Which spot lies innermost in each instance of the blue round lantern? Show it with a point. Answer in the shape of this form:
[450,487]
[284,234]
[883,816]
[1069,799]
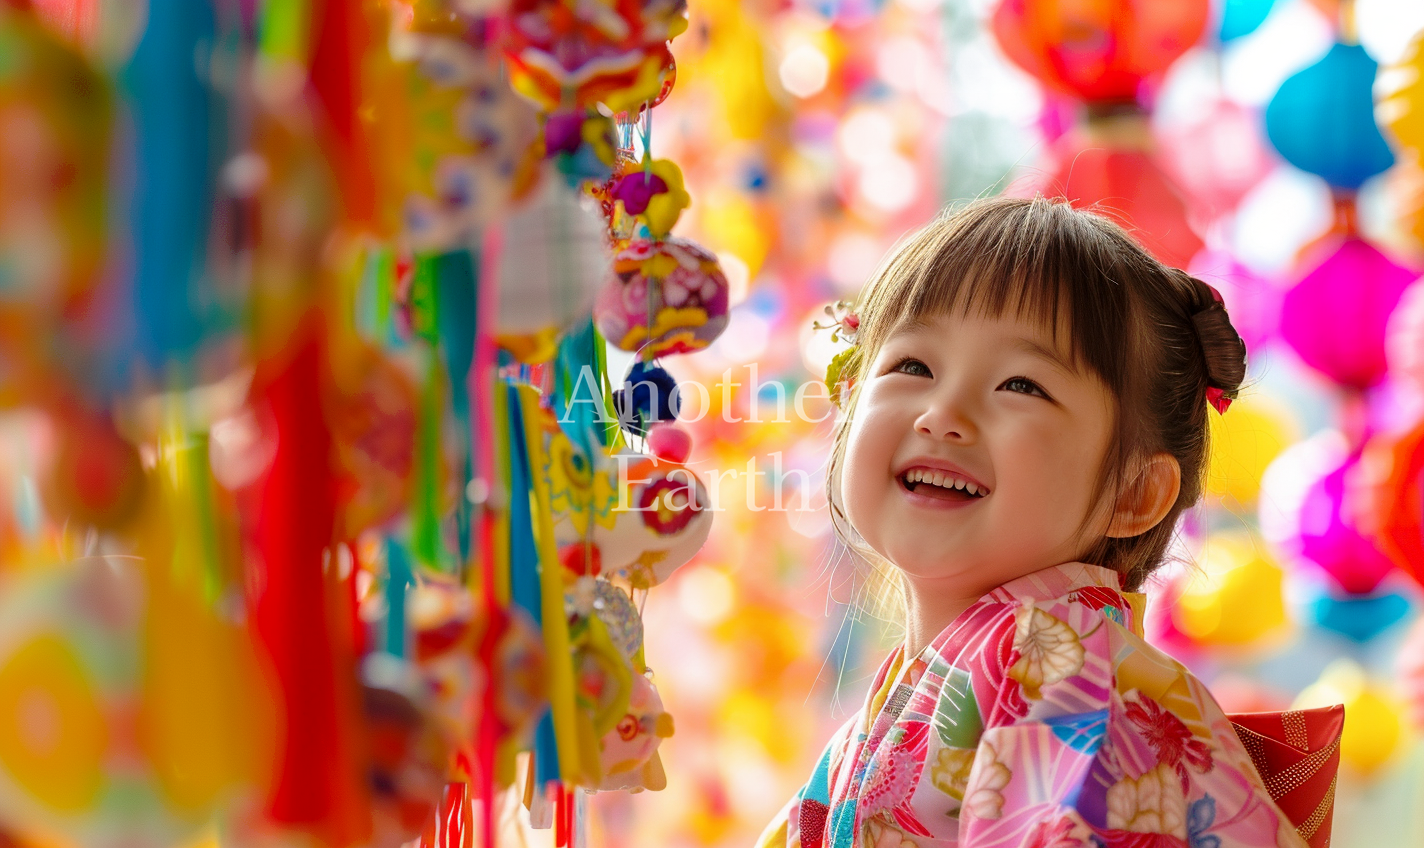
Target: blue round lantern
[1242,17]
[1358,618]
[1322,120]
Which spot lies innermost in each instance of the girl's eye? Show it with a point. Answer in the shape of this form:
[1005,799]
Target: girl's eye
[1023,385]
[913,367]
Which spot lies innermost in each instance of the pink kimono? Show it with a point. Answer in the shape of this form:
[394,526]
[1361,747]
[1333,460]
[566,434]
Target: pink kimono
[1040,718]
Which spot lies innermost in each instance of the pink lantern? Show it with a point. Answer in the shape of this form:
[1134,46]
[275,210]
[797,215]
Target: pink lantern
[1218,157]
[1333,544]
[1335,317]
[1253,302]
[1404,337]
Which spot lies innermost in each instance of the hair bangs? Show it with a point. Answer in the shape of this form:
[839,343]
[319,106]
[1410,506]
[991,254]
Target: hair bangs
[1034,260]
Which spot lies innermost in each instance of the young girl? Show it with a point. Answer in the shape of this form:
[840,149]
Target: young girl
[1026,420]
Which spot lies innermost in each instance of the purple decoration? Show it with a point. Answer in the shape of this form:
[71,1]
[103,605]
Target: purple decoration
[1335,316]
[636,189]
[1332,544]
[563,133]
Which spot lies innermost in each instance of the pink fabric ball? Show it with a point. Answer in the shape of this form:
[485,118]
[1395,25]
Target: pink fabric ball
[669,441]
[1333,544]
[1335,317]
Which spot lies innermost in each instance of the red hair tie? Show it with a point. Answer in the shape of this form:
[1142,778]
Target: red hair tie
[1218,399]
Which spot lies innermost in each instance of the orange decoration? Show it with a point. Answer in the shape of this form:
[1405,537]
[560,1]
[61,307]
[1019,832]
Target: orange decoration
[1098,50]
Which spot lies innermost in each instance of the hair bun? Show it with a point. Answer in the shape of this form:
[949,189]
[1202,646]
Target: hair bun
[1222,349]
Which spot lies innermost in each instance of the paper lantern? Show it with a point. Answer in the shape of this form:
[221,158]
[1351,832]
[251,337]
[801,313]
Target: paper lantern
[1395,487]
[1335,316]
[1404,336]
[653,193]
[1242,17]
[1322,119]
[1243,444]
[1098,50]
[1374,717]
[1126,184]
[1331,543]
[1358,618]
[552,260]
[1217,157]
[460,142]
[1401,106]
[1236,600]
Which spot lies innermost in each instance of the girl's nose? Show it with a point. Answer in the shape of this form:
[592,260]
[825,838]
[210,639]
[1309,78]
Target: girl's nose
[945,419]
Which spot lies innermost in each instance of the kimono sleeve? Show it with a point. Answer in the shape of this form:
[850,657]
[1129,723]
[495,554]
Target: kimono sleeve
[802,822]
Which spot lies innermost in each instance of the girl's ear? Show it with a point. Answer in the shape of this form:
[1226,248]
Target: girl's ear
[1148,499]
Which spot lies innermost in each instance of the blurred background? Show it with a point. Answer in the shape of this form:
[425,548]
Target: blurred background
[1263,151]
[240,237]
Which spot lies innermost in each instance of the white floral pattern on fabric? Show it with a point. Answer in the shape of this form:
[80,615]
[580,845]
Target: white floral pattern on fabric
[1050,650]
[1152,803]
[984,794]
[879,834]
[950,772]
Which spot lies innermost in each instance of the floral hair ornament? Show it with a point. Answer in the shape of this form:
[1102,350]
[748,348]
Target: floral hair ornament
[844,326]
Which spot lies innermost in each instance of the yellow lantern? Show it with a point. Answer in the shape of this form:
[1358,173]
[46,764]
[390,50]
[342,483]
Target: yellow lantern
[1401,108]
[1243,443]
[1374,717]
[1235,600]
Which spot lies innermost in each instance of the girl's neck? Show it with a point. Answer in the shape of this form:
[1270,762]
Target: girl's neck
[930,607]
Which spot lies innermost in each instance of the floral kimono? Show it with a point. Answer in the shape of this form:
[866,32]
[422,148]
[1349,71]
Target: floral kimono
[1040,718]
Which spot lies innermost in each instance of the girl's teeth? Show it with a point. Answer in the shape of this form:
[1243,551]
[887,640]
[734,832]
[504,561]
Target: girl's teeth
[939,478]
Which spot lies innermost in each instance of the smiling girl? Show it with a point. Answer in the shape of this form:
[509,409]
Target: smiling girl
[1025,422]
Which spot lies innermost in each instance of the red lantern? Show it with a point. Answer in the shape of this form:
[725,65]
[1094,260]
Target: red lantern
[1395,502]
[1123,182]
[1098,50]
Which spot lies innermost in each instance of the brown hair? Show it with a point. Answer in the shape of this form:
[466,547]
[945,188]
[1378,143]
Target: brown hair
[1157,337]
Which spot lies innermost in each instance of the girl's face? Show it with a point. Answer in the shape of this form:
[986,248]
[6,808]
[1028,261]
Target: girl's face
[973,453]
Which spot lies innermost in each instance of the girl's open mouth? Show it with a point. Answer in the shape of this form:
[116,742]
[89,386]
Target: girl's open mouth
[940,485]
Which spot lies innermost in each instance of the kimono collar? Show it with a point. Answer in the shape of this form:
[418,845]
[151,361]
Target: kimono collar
[1092,584]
